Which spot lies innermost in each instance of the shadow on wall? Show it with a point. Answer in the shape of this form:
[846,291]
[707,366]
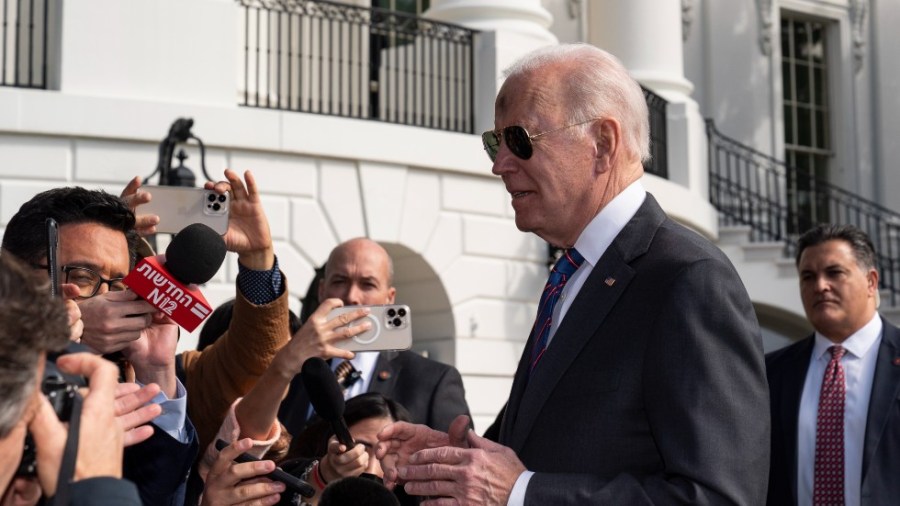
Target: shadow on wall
[420,287]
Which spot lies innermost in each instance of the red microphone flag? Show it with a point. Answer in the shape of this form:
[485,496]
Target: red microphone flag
[186,306]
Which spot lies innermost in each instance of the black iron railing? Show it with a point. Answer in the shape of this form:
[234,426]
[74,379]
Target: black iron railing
[343,60]
[23,43]
[779,203]
[659,163]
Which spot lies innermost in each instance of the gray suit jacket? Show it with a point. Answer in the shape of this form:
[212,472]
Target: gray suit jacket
[786,370]
[653,390]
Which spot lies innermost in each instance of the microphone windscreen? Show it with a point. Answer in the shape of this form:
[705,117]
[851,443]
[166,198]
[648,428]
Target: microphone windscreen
[195,254]
[357,490]
[322,387]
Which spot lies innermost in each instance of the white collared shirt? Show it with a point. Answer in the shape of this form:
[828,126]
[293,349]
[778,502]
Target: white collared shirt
[592,243]
[859,374]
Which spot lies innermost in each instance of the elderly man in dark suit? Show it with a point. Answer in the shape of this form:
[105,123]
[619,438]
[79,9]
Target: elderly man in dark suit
[834,395]
[642,381]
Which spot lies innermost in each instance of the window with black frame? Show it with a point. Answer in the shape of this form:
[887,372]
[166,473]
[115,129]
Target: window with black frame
[807,138]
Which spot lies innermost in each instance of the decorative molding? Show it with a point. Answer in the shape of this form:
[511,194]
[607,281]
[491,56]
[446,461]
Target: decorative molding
[687,17]
[764,10]
[858,11]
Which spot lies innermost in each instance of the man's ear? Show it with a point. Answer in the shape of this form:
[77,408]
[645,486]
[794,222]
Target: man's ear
[607,133]
[392,293]
[872,277]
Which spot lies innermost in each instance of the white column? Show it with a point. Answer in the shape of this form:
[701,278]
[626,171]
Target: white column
[646,36]
[509,29]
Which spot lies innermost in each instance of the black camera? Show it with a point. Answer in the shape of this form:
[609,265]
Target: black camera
[61,389]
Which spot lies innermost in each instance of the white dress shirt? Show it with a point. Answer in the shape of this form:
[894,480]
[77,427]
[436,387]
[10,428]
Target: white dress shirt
[592,243]
[859,372]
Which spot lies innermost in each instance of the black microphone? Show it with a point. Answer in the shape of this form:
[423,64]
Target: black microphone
[195,254]
[192,258]
[291,482]
[363,489]
[326,397]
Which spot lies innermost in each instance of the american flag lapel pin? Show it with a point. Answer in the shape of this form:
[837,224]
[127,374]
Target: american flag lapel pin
[610,281]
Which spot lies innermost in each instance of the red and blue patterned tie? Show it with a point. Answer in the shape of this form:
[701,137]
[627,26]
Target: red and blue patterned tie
[567,264]
[828,481]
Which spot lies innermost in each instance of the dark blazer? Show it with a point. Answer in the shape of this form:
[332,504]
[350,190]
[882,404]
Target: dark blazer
[786,369]
[653,389]
[104,491]
[431,391]
[160,465]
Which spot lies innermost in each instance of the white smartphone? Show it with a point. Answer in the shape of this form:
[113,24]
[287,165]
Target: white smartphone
[179,206]
[391,328]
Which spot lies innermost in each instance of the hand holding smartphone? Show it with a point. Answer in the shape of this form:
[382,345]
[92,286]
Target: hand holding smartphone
[391,328]
[291,482]
[178,207]
[52,257]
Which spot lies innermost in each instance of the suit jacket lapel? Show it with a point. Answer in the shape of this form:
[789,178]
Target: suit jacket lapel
[885,392]
[585,316]
[385,374]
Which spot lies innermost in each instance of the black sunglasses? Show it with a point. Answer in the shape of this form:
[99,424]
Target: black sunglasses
[517,139]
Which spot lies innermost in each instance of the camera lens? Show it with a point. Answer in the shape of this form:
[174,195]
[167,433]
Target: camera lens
[397,322]
[211,197]
[391,312]
[216,206]
[222,198]
[401,312]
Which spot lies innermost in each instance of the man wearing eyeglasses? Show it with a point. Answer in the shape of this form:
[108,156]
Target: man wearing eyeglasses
[97,244]
[643,380]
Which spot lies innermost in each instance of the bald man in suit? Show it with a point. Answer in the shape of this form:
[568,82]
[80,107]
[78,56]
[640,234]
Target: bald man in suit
[360,272]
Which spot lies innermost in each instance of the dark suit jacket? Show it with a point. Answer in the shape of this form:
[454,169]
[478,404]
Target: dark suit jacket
[653,389]
[431,391]
[881,456]
[104,491]
[160,465]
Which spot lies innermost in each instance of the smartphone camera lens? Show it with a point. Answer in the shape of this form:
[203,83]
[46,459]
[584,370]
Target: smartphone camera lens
[401,312]
[222,198]
[211,197]
[397,322]
[391,312]
[216,206]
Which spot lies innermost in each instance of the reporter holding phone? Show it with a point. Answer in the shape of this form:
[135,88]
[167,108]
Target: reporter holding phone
[360,272]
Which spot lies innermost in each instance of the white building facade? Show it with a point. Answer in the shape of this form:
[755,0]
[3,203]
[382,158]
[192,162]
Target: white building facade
[89,103]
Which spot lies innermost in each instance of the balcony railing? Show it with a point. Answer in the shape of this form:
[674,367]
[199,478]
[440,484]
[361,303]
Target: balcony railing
[780,202]
[659,164]
[23,43]
[343,60]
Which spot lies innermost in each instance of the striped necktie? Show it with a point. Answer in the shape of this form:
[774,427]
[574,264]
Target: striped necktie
[344,374]
[567,264]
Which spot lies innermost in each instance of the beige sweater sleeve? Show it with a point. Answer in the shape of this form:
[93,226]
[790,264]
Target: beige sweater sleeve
[228,369]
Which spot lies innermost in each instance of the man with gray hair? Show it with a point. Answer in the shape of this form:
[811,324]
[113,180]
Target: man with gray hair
[642,381]
[32,323]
